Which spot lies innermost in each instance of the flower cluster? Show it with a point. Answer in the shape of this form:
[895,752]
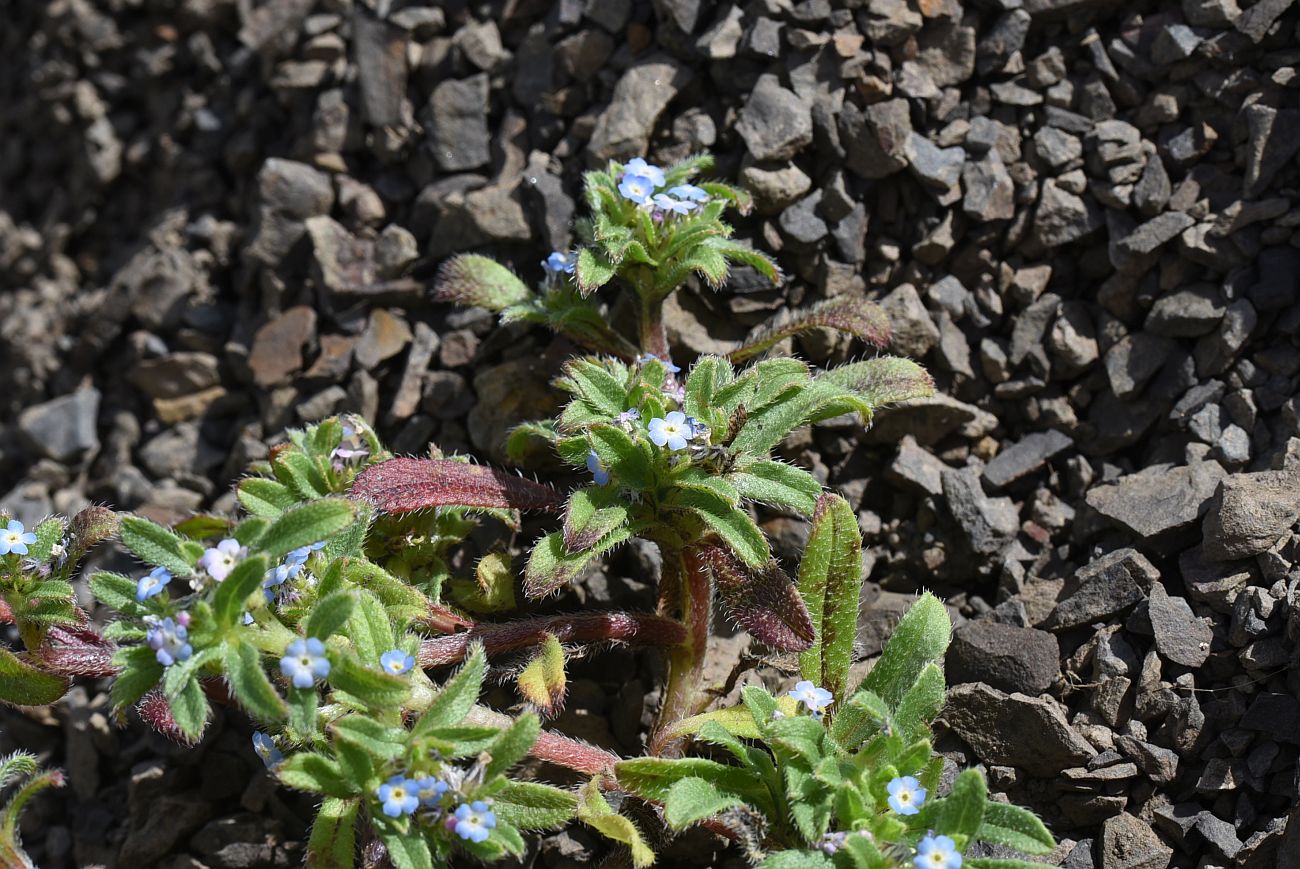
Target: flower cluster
[15,538]
[304,662]
[288,569]
[169,638]
[642,182]
[404,795]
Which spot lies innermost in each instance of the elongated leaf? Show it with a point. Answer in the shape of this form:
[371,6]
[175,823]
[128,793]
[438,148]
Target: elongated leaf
[228,603]
[653,777]
[921,704]
[406,851]
[376,739]
[708,375]
[333,842]
[627,461]
[457,696]
[883,380]
[116,591]
[733,525]
[251,685]
[373,687]
[551,566]
[764,602]
[801,859]
[830,581]
[47,534]
[470,279]
[512,745]
[189,709]
[330,614]
[23,685]
[316,773]
[847,313]
[543,682]
[691,800]
[266,498]
[592,383]
[532,806]
[369,628]
[154,544]
[921,638]
[777,483]
[1014,827]
[401,485]
[596,813]
[139,674]
[306,524]
[962,811]
[595,269]
[592,513]
[766,428]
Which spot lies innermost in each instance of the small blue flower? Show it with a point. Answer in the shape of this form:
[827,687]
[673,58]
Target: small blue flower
[638,166]
[169,641]
[906,796]
[667,363]
[15,538]
[816,699]
[832,842]
[219,560]
[672,431]
[597,468]
[560,262]
[300,555]
[152,584]
[637,188]
[690,192]
[396,661]
[304,662]
[398,795]
[677,206]
[474,821]
[628,416]
[937,852]
[430,790]
[266,750]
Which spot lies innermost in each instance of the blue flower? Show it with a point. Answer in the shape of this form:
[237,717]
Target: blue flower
[689,191]
[304,662]
[430,790]
[667,363]
[300,555]
[676,206]
[598,472]
[219,560]
[637,188]
[816,699]
[628,416]
[906,795]
[671,431]
[398,795]
[638,166]
[396,661]
[266,750]
[15,539]
[937,852]
[169,641]
[474,821]
[560,262]
[152,584]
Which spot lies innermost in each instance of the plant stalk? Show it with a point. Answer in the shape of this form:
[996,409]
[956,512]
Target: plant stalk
[686,659]
[636,628]
[654,337]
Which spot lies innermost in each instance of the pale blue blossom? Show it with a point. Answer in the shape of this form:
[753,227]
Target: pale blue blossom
[396,661]
[597,468]
[638,166]
[266,750]
[637,188]
[151,584]
[906,796]
[304,662]
[937,852]
[219,560]
[677,206]
[474,821]
[398,795]
[169,641]
[667,363]
[816,699]
[430,790]
[689,192]
[672,431]
[560,262]
[15,538]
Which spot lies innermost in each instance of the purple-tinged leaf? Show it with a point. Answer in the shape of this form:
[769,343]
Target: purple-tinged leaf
[76,651]
[881,381]
[401,485]
[847,313]
[764,602]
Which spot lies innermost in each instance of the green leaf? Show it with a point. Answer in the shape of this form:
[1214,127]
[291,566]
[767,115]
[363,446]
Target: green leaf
[154,544]
[551,566]
[998,863]
[592,513]
[695,479]
[306,524]
[374,688]
[302,713]
[922,637]
[330,614]
[301,474]
[592,383]
[316,773]
[23,685]
[653,777]
[596,813]
[265,498]
[864,715]
[737,530]
[962,811]
[470,279]
[628,461]
[1014,827]
[801,859]
[595,269]
[116,591]
[512,745]
[231,598]
[921,704]
[376,739]
[691,800]
[333,842]
[47,534]
[189,708]
[405,850]
[532,806]
[370,629]
[707,376]
[881,381]
[139,674]
[777,483]
[846,312]
[767,427]
[457,696]
[830,581]
[251,685]
[402,601]
[543,682]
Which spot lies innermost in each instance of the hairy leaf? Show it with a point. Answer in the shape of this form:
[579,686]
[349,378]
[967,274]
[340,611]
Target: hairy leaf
[551,566]
[401,485]
[470,279]
[251,685]
[691,800]
[266,498]
[847,313]
[830,581]
[457,696]
[592,513]
[154,544]
[777,483]
[921,638]
[543,682]
[732,525]
[883,380]
[596,813]
[232,592]
[1016,828]
[764,602]
[532,806]
[23,685]
[306,524]
[333,842]
[595,269]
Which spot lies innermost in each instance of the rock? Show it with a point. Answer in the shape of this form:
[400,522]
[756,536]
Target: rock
[1063,217]
[1005,38]
[1073,339]
[386,335]
[1152,191]
[775,123]
[929,420]
[876,137]
[1278,286]
[914,332]
[801,224]
[1025,457]
[1256,21]
[1147,238]
[916,468]
[1104,587]
[1127,843]
[1029,733]
[508,394]
[1013,659]
[990,193]
[170,819]
[479,217]
[63,428]
[459,110]
[1174,43]
[1180,636]
[1219,834]
[379,49]
[937,168]
[1216,352]
[947,51]
[1250,512]
[645,90]
[989,523]
[277,352]
[288,194]
[1277,715]
[175,374]
[1158,499]
[1274,139]
[1133,360]
[1187,313]
[775,188]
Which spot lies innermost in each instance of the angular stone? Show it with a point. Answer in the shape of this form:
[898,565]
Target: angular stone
[1007,657]
[1158,499]
[278,345]
[929,420]
[1186,313]
[1250,512]
[1063,217]
[989,523]
[1025,457]
[990,193]
[1133,360]
[1029,733]
[645,90]
[63,428]
[916,468]
[914,332]
[1181,637]
[1127,843]
[938,168]
[386,335]
[459,109]
[876,137]
[775,123]
[175,374]
[1106,586]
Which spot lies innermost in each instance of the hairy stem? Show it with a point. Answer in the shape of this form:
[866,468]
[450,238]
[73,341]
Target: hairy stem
[654,337]
[638,628]
[554,747]
[686,660]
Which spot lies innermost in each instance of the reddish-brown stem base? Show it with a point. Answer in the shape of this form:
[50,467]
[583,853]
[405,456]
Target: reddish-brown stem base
[685,661]
[498,639]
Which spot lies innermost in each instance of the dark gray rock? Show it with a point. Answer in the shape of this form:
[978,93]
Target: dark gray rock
[1181,637]
[1133,360]
[1001,41]
[1250,512]
[459,110]
[1106,586]
[63,428]
[1186,313]
[645,90]
[990,192]
[1025,457]
[1013,659]
[1158,499]
[1128,843]
[801,222]
[914,332]
[775,123]
[989,523]
[876,137]
[937,168]
[916,468]
[1029,733]
[1063,217]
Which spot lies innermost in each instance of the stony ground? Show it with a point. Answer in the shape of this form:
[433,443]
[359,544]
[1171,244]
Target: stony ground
[220,218]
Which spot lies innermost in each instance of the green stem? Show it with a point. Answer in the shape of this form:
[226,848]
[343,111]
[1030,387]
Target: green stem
[685,660]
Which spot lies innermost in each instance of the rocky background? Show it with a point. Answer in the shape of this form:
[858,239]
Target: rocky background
[220,218]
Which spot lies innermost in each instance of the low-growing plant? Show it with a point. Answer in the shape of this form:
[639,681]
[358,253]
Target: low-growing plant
[321,609]
[22,770]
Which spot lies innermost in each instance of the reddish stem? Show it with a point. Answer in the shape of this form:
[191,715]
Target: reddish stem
[497,639]
[686,660]
[555,747]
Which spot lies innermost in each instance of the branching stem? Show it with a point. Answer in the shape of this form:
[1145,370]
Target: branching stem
[497,639]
